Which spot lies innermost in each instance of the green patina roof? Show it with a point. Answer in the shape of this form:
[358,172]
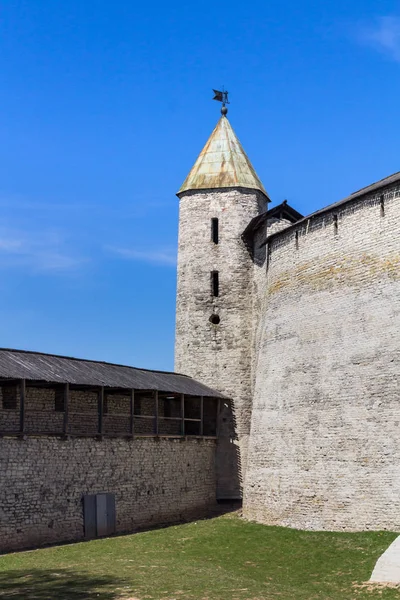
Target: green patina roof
[222,163]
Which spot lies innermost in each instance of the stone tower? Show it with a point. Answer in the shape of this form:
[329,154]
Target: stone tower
[214,324]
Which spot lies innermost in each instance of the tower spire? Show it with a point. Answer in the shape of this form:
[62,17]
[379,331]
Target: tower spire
[222,163]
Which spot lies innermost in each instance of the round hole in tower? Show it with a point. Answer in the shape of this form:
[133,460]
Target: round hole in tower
[215,320]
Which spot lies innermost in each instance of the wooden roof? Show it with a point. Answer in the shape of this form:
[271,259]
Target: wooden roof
[51,368]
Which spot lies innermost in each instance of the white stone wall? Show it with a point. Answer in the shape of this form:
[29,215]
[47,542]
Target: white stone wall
[260,298]
[155,481]
[218,355]
[324,449]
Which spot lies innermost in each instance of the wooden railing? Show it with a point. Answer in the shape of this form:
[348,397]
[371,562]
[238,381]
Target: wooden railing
[26,419]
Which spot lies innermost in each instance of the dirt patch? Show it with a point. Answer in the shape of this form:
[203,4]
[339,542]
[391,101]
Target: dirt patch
[372,586]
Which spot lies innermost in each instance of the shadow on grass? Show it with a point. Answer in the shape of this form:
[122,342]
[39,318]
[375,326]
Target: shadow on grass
[57,585]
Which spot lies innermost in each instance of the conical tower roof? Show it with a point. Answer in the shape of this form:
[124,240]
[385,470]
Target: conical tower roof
[222,164]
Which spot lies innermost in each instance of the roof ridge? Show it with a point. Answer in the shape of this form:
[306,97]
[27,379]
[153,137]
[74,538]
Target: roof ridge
[394,178]
[374,183]
[102,362]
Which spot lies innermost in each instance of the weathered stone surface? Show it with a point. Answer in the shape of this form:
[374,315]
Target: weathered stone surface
[324,451]
[218,355]
[155,481]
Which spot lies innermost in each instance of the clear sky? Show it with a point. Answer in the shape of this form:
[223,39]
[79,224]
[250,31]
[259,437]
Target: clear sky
[105,107]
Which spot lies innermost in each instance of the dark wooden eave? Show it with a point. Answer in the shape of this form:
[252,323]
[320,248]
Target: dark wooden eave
[282,211]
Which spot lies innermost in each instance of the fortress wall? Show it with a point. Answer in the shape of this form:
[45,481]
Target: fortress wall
[324,449]
[218,355]
[155,481]
[259,297]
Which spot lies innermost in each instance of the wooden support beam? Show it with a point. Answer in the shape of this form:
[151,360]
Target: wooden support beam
[156,416]
[201,415]
[217,425]
[183,413]
[132,414]
[22,398]
[101,410]
[66,408]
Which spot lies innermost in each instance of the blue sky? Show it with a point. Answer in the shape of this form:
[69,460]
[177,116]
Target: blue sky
[106,105]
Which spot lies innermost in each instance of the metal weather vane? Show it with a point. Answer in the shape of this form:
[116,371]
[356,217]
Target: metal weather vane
[222,96]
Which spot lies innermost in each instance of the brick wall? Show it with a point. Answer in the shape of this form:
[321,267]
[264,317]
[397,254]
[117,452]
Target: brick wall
[324,449]
[155,481]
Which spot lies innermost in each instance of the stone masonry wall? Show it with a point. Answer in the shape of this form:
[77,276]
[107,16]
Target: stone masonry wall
[324,449]
[155,481]
[260,298]
[218,355]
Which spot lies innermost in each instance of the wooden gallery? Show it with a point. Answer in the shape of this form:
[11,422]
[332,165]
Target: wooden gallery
[89,449]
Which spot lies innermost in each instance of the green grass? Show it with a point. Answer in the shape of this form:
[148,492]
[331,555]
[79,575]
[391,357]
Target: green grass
[219,559]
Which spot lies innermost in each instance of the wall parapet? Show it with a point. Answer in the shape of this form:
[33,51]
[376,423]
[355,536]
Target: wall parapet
[326,216]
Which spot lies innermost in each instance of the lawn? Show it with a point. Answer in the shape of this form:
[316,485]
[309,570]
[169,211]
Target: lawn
[224,558]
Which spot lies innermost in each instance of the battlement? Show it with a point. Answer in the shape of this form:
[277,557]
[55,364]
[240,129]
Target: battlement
[377,194]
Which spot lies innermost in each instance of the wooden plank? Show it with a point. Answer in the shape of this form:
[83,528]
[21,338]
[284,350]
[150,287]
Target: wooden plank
[101,514]
[109,435]
[201,414]
[156,415]
[100,410]
[132,413]
[183,413]
[22,398]
[145,417]
[217,428]
[89,516]
[66,407]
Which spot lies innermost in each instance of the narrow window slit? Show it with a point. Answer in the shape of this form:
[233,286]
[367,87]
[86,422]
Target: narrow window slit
[296,235]
[215,283]
[335,224]
[215,230]
[268,261]
[382,205]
